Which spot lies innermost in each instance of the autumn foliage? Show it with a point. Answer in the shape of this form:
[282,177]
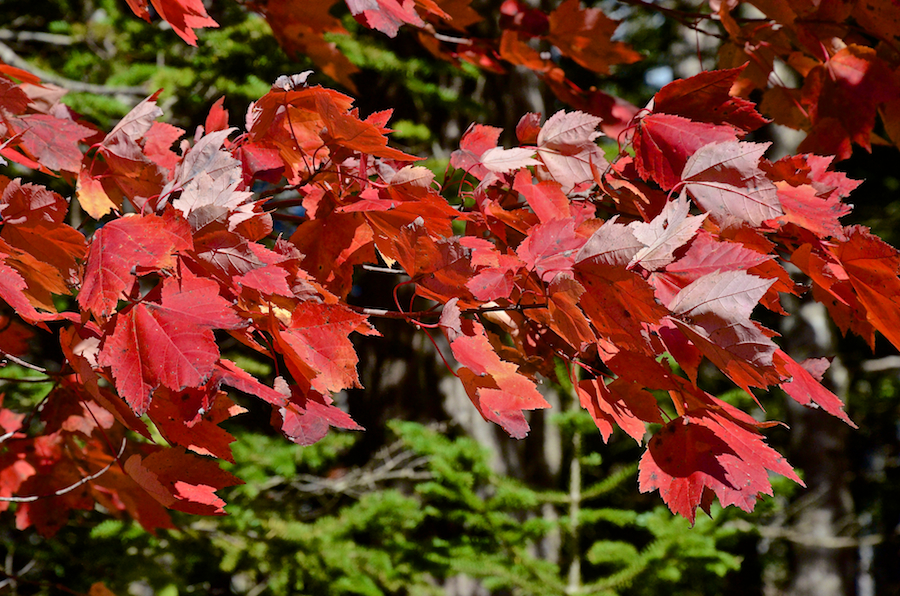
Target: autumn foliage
[632,271]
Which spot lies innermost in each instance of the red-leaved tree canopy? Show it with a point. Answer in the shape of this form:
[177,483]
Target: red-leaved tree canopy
[183,254]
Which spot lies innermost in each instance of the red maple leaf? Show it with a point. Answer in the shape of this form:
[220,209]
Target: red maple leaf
[52,141]
[183,15]
[706,97]
[496,387]
[316,345]
[707,450]
[117,248]
[305,418]
[805,387]
[714,313]
[567,149]
[585,36]
[386,16]
[181,480]
[169,342]
[726,181]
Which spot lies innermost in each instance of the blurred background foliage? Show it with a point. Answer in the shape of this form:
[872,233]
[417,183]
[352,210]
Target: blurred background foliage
[418,507]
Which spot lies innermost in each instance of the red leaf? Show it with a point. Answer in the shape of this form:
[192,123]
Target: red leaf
[183,15]
[477,140]
[52,141]
[119,246]
[11,286]
[706,97]
[167,343]
[385,15]
[317,347]
[496,387]
[872,267]
[725,181]
[666,233]
[842,97]
[567,149]
[627,409]
[305,419]
[198,432]
[545,198]
[707,450]
[804,385]
[664,142]
[585,36]
[714,312]
[182,481]
[550,248]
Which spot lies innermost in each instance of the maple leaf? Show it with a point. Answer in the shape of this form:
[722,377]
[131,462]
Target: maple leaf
[198,431]
[705,450]
[567,149]
[842,97]
[300,25]
[316,345]
[616,404]
[306,418]
[11,291]
[666,233]
[497,389]
[585,36]
[136,241]
[169,342]
[707,97]
[385,15]
[664,142]
[714,312]
[871,266]
[475,142]
[707,255]
[545,197]
[805,387]
[180,480]
[52,141]
[725,181]
[183,15]
[550,248]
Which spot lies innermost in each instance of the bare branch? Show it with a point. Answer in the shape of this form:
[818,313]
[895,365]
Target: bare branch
[71,487]
[393,462]
[39,36]
[10,57]
[21,362]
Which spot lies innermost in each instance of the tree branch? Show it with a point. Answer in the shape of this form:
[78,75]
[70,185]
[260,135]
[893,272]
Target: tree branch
[10,57]
[21,362]
[71,487]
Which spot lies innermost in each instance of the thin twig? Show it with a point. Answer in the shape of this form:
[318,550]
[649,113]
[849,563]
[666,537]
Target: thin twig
[396,314]
[71,487]
[383,270]
[21,362]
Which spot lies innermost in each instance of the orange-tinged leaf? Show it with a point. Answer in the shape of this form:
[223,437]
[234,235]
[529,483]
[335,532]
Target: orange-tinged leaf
[497,389]
[872,267]
[317,347]
[585,36]
[93,197]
